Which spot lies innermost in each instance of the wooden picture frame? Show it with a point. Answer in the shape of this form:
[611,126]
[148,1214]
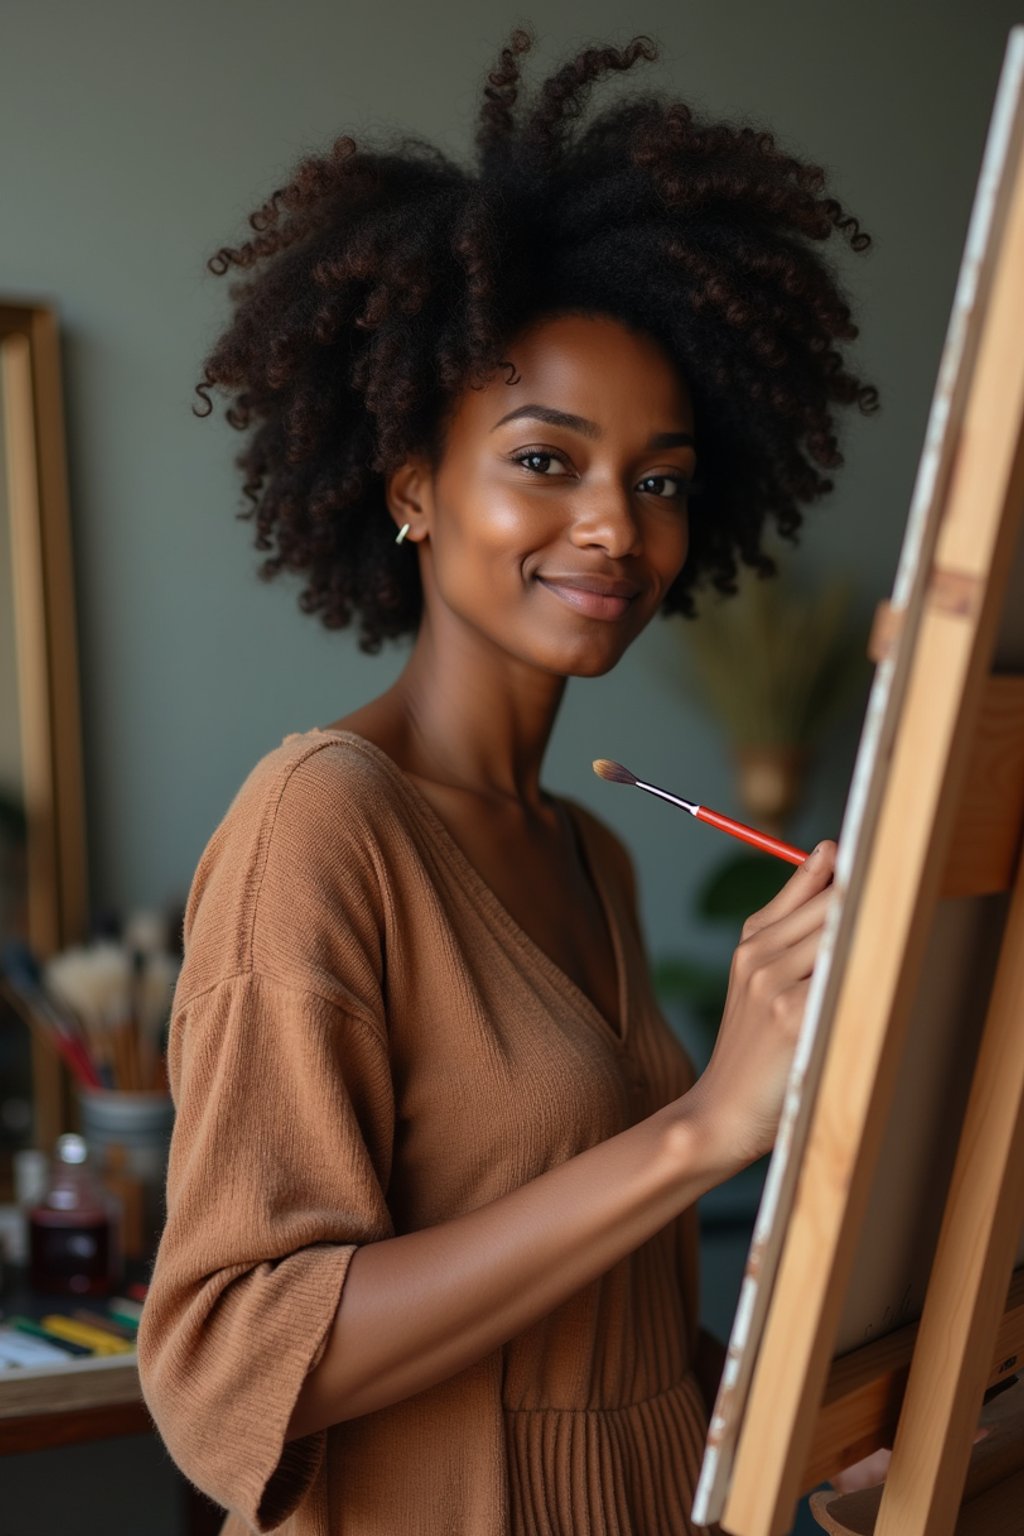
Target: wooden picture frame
[46,658]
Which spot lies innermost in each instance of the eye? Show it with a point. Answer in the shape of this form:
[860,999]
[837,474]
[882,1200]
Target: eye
[686,483]
[536,453]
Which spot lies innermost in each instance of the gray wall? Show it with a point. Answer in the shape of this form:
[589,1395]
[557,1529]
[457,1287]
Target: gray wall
[135,140]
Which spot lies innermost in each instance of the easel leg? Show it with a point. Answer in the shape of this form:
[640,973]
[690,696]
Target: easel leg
[967,1289]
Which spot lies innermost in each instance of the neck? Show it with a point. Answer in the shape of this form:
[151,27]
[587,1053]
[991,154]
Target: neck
[474,716]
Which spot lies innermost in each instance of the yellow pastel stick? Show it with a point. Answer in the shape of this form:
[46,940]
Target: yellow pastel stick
[82,1333]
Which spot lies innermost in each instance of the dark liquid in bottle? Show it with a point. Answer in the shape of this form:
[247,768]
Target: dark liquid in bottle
[70,1252]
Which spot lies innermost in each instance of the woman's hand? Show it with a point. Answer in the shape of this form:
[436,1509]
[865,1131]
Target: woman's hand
[739,1095]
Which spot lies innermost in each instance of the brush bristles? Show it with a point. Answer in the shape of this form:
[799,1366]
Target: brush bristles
[606,769]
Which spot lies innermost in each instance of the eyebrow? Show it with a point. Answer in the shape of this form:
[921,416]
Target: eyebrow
[580,424]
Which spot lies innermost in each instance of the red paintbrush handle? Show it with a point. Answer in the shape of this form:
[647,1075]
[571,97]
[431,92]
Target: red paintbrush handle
[750,835]
[77,1059]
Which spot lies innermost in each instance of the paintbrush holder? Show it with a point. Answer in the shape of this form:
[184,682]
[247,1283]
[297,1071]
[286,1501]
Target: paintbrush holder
[140,1122]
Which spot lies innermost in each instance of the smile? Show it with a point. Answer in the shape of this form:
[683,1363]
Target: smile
[594,604]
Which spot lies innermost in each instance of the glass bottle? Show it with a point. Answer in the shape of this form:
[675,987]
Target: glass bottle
[75,1229]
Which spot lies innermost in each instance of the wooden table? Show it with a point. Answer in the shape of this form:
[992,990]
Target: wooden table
[83,1398]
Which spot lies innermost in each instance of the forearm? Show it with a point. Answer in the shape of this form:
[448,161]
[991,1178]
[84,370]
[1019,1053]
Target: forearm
[418,1308]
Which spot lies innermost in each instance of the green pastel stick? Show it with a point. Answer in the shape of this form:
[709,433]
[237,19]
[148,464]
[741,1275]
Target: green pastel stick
[29,1325]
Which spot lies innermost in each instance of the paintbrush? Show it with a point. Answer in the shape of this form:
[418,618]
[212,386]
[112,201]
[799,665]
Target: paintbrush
[110,983]
[155,996]
[69,978]
[21,981]
[616,774]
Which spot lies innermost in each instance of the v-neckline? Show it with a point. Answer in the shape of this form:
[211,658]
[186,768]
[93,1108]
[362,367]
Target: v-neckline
[487,895]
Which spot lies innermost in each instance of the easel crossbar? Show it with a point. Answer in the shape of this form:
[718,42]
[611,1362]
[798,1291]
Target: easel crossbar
[861,1406]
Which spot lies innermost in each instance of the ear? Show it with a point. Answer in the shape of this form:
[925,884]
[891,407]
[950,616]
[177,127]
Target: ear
[409,494]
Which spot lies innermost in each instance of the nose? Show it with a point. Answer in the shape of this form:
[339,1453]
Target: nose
[608,520]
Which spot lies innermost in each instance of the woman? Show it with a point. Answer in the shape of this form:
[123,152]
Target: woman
[430,1256]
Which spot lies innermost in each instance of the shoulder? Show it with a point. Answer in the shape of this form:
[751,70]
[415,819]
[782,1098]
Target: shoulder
[305,843]
[317,774]
[316,788]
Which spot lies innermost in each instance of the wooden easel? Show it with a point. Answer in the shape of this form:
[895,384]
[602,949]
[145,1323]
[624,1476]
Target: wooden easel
[971,1332]
[949,821]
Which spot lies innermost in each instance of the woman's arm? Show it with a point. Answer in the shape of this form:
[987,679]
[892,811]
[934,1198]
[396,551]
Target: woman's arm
[418,1308]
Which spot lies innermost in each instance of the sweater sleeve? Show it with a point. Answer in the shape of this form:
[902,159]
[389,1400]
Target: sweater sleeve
[277,1171]
[280,1157]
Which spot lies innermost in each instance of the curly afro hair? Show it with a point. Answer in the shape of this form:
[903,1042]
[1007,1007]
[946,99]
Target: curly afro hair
[386,281]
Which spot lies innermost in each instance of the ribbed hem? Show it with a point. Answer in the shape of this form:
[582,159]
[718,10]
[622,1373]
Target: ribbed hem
[627,1471]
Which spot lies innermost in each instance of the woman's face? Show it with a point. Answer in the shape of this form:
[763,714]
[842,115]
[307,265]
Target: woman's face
[557,518]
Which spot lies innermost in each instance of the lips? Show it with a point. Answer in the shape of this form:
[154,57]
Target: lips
[592,596]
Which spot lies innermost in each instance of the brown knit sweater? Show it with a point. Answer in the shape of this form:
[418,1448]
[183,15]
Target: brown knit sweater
[363,1043]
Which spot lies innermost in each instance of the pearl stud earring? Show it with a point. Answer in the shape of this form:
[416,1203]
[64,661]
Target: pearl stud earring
[402,532]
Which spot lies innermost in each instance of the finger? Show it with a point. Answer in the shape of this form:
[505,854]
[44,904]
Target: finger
[794,926]
[791,968]
[812,876]
[756,950]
